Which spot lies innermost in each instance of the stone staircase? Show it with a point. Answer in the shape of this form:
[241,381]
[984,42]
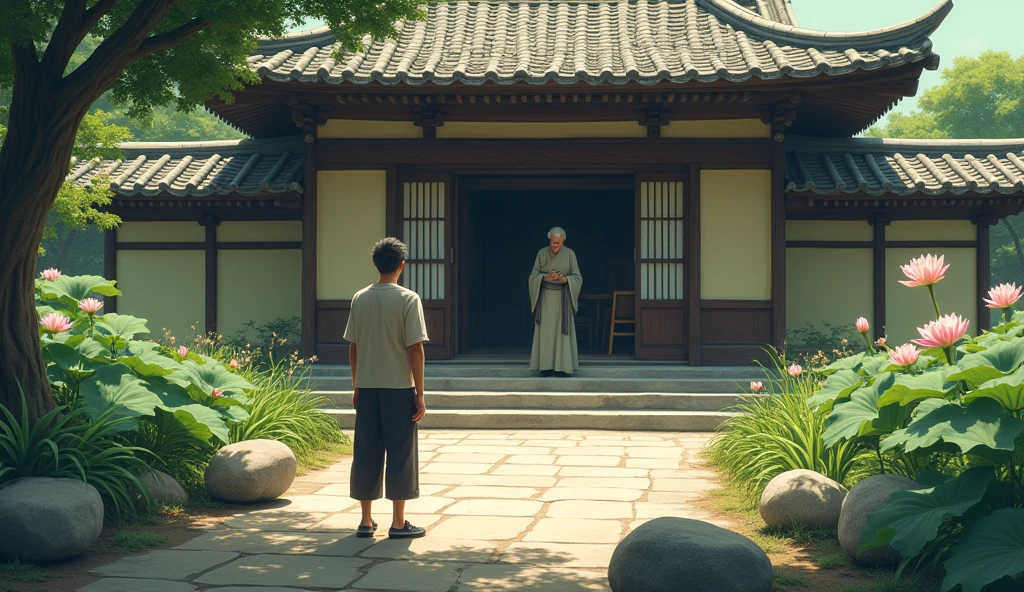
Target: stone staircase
[633,396]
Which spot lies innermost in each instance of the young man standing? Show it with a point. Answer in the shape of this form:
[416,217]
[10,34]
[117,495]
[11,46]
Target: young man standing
[386,331]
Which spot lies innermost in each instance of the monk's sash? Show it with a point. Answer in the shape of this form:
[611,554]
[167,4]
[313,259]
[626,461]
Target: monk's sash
[566,303]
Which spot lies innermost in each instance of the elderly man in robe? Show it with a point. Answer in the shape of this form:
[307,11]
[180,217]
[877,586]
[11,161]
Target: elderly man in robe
[554,294]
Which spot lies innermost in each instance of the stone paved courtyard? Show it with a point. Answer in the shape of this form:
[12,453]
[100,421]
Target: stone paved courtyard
[513,510]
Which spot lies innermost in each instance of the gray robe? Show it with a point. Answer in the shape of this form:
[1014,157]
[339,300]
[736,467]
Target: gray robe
[554,305]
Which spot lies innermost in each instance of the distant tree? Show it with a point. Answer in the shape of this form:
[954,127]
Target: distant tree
[148,53]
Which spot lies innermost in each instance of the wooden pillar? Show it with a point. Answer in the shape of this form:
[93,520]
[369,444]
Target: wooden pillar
[110,266]
[693,266]
[309,199]
[778,241]
[209,222]
[878,224]
[984,270]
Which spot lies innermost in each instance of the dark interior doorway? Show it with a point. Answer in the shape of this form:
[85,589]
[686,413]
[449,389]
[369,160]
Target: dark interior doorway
[504,229]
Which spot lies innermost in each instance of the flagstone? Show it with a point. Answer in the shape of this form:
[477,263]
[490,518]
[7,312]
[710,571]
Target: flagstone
[171,564]
[530,459]
[530,470]
[649,510]
[601,472]
[653,452]
[528,578]
[457,468]
[431,548]
[490,436]
[590,451]
[484,491]
[652,463]
[134,585]
[601,482]
[443,479]
[282,543]
[588,461]
[349,522]
[426,504]
[411,576]
[558,554]
[280,521]
[673,497]
[590,509]
[548,443]
[492,528]
[495,480]
[575,530]
[451,457]
[486,507]
[287,570]
[307,503]
[591,493]
[695,485]
[502,450]
[683,474]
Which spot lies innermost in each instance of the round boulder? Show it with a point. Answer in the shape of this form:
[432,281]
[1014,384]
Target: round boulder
[45,519]
[164,489]
[682,555]
[251,471]
[802,497]
[867,496]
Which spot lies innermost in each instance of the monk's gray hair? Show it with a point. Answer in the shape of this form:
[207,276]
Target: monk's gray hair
[557,231]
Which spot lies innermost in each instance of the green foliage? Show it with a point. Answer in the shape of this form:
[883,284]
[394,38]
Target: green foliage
[131,541]
[16,571]
[780,432]
[820,339]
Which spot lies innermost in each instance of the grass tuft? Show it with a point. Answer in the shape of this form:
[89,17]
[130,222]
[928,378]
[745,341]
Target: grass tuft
[133,541]
[769,543]
[16,571]
[832,557]
[784,580]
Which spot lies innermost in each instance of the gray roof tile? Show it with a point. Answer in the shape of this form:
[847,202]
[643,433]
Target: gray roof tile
[610,41]
[233,167]
[904,167]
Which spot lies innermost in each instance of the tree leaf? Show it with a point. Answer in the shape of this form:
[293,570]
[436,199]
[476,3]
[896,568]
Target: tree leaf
[69,289]
[912,518]
[839,386]
[1000,359]
[207,377]
[124,326]
[990,549]
[1008,391]
[982,423]
[115,387]
[933,384]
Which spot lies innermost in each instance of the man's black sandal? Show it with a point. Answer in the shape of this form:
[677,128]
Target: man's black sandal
[365,532]
[407,532]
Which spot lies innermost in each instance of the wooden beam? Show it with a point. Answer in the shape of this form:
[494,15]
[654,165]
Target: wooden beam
[693,271]
[878,273]
[309,242]
[210,247]
[778,245]
[984,271]
[110,266]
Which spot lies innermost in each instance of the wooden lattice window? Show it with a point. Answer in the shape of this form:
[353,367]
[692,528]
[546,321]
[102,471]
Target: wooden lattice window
[661,240]
[423,225]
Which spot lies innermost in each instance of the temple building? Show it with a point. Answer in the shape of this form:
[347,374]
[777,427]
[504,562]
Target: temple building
[699,153]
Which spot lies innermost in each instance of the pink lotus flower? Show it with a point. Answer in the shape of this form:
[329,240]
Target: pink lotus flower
[233,363]
[905,355]
[756,387]
[182,351]
[795,370]
[862,325]
[90,305]
[216,393]
[50,274]
[55,323]
[942,332]
[1003,296]
[880,341]
[924,271]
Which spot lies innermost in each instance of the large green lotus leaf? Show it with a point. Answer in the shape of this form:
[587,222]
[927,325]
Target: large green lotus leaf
[69,289]
[872,365]
[849,363]
[230,408]
[912,518]
[124,326]
[982,423]
[207,377]
[838,386]
[115,387]
[147,361]
[68,358]
[861,415]
[1008,391]
[203,421]
[989,550]
[90,348]
[998,360]
[908,388]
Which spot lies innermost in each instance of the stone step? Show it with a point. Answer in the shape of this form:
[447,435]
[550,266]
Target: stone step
[591,371]
[558,385]
[565,419]
[573,401]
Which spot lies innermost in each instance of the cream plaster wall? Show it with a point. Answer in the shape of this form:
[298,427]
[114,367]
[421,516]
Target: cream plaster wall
[167,288]
[735,234]
[288,230]
[936,230]
[369,129]
[720,128]
[160,232]
[259,286]
[350,220]
[828,230]
[909,308]
[834,285]
[532,130]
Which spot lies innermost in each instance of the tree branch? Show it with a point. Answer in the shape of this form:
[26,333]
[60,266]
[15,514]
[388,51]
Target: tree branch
[172,38]
[67,34]
[94,14]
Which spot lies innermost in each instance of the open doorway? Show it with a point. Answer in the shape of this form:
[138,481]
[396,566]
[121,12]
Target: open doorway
[503,225]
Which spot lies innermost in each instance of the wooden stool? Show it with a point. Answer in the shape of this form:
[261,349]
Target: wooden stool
[623,312]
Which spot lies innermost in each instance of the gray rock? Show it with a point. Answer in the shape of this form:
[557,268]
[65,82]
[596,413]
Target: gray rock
[802,497]
[44,519]
[251,471]
[867,496]
[164,489]
[678,554]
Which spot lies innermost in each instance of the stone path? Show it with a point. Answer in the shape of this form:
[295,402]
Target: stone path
[528,511]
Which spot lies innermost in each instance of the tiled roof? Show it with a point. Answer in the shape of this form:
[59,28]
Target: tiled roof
[904,167]
[233,167]
[602,41]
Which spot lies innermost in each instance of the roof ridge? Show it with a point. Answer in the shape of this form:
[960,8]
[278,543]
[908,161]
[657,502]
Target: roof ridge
[190,147]
[865,145]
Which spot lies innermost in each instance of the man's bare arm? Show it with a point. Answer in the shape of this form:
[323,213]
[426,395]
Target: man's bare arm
[416,361]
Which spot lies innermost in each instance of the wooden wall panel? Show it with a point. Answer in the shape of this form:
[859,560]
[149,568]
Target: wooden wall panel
[331,318]
[733,332]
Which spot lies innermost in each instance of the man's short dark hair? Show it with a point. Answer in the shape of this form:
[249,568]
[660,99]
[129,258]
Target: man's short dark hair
[388,254]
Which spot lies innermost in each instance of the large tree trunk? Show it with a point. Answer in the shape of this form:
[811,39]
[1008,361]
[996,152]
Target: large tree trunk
[34,160]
